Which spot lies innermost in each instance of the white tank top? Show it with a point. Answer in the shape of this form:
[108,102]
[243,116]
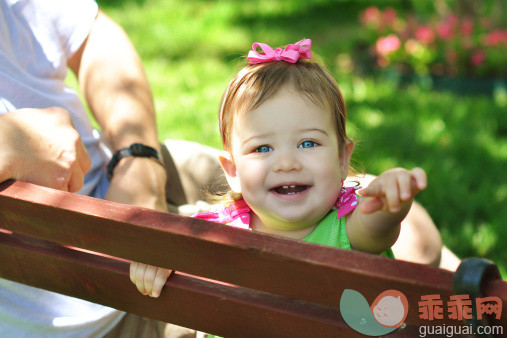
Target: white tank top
[36,39]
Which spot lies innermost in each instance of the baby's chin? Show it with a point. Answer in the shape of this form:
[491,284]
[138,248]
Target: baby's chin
[293,222]
[288,226]
[291,217]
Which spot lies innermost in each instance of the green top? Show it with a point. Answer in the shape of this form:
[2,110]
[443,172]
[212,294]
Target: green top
[331,231]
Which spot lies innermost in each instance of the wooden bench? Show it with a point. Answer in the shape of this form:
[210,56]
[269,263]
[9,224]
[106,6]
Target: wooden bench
[230,282]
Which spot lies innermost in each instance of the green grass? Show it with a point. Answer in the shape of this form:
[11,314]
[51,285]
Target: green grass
[191,49]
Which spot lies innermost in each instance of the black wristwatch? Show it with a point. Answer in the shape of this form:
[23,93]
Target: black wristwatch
[135,149]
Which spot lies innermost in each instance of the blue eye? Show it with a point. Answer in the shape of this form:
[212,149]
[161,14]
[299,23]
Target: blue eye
[263,149]
[307,144]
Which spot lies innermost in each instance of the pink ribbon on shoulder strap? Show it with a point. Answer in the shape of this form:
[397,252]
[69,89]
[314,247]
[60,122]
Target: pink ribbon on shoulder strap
[291,53]
[347,201]
[236,214]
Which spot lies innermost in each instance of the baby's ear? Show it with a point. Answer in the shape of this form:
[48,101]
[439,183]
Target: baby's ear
[229,168]
[345,154]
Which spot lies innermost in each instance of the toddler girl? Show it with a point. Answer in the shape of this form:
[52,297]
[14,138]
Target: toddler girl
[286,155]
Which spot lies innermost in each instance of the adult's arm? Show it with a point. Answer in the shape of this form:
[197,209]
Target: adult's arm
[114,84]
[116,89]
[41,146]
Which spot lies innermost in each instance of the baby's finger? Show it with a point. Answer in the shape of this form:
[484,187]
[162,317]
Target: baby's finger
[392,195]
[140,278]
[405,186]
[370,205]
[149,278]
[420,178]
[373,189]
[133,269]
[160,279]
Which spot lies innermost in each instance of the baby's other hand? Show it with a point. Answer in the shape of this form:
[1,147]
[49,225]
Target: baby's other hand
[391,189]
[149,279]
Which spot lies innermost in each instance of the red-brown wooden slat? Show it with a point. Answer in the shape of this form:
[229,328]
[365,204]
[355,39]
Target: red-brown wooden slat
[316,273]
[187,300]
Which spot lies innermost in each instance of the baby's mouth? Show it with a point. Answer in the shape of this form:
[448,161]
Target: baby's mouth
[290,189]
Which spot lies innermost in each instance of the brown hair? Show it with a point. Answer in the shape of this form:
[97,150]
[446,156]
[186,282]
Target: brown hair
[255,84]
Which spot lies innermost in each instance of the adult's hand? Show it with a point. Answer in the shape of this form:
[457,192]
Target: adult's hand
[41,146]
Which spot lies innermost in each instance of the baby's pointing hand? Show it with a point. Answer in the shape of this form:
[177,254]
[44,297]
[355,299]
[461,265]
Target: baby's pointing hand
[391,189]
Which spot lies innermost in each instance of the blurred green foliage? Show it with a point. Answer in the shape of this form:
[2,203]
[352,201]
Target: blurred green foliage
[191,49]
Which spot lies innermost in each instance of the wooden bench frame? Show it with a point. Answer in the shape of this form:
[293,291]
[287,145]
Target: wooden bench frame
[228,281]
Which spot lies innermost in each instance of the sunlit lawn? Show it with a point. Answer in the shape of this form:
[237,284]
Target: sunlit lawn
[191,49]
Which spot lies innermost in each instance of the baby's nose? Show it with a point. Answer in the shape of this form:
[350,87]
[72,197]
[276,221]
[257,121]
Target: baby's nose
[287,161]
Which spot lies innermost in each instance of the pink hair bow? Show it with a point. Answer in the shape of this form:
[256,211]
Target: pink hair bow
[292,53]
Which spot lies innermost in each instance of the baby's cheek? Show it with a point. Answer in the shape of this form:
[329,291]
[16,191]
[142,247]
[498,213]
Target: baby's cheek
[332,196]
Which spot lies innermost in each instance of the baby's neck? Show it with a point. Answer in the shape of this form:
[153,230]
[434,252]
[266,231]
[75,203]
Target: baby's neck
[257,225]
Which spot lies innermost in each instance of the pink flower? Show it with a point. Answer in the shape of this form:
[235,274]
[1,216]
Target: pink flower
[370,16]
[467,26]
[478,58]
[389,15]
[388,44]
[496,38]
[425,34]
[445,30]
[452,20]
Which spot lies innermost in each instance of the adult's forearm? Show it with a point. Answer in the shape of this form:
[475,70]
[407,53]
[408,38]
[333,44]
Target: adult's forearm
[5,139]
[115,86]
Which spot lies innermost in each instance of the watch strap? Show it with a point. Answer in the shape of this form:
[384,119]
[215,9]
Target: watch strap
[136,150]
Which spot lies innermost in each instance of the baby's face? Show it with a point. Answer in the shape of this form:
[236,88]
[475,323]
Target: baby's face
[287,160]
